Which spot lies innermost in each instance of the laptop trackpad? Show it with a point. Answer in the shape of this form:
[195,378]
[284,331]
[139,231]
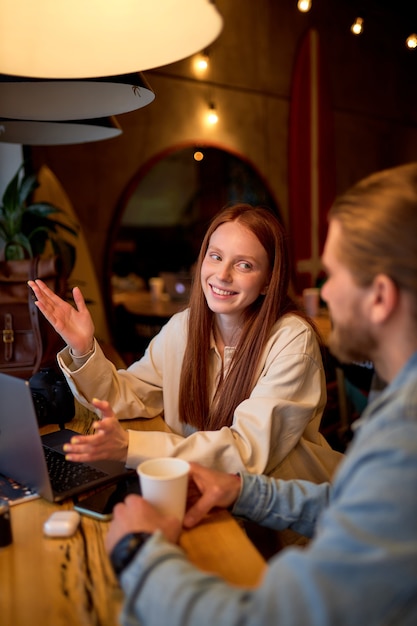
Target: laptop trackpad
[57,439]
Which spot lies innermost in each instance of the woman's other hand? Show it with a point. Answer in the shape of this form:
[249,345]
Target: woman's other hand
[110,440]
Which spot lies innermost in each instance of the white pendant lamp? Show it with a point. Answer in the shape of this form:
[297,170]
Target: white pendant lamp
[95,38]
[40,133]
[24,98]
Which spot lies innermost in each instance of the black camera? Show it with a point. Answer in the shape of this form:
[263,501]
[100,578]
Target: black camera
[52,397]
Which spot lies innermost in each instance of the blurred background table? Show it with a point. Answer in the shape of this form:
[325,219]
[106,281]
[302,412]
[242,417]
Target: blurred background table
[142,304]
[139,317]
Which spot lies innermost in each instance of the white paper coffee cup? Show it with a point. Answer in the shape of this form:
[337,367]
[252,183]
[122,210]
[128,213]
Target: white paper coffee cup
[164,483]
[156,285]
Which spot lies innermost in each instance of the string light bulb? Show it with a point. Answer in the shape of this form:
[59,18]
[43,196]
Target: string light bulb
[357,26]
[411,41]
[201,62]
[304,5]
[212,116]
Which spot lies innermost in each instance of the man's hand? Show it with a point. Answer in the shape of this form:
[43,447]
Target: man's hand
[137,515]
[216,489]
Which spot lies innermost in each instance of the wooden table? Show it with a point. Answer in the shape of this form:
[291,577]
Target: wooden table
[70,582]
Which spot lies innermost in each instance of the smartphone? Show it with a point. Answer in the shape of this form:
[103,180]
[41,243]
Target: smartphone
[100,504]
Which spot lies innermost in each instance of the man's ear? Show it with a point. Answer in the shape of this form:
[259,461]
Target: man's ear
[384,298]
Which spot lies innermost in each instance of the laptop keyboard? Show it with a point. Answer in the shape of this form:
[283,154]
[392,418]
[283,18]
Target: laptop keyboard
[65,475]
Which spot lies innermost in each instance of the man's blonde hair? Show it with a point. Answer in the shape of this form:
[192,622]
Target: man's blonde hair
[378,217]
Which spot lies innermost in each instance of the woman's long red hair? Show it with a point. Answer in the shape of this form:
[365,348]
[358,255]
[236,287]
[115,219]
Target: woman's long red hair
[195,406]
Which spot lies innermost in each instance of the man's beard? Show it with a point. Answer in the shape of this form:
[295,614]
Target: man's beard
[352,342]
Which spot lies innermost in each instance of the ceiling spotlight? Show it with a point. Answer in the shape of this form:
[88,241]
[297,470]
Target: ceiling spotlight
[357,26]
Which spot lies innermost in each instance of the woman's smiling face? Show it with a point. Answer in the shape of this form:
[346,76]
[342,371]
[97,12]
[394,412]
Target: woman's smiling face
[235,269]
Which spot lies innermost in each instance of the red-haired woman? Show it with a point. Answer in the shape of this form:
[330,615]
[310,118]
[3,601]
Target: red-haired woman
[237,376]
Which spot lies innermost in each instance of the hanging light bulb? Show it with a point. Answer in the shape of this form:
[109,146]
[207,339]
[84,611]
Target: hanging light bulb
[212,116]
[357,26]
[411,41]
[304,5]
[201,63]
[198,155]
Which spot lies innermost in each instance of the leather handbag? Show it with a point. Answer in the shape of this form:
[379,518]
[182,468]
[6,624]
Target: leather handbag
[27,341]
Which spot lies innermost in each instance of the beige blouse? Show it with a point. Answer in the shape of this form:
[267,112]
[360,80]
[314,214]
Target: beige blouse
[275,431]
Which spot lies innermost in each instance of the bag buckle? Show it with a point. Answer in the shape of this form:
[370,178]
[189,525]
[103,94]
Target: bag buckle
[8,337]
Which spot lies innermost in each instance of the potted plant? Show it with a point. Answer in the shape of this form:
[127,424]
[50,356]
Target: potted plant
[33,244]
[29,229]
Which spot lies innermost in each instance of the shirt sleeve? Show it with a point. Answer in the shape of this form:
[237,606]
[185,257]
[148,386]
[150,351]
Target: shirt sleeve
[133,392]
[281,504]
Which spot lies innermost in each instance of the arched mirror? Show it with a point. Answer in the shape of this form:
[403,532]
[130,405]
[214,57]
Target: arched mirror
[162,219]
[167,209]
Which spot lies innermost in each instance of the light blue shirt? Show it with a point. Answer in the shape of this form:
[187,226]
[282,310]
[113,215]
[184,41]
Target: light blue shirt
[359,569]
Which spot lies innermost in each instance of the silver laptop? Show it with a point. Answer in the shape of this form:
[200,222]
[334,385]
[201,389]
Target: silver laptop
[39,462]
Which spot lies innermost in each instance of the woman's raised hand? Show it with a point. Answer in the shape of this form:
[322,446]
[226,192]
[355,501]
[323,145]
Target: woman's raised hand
[74,324]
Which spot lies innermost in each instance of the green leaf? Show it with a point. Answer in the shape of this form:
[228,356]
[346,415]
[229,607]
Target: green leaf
[43,209]
[23,241]
[28,184]
[11,195]
[69,229]
[18,248]
[13,252]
